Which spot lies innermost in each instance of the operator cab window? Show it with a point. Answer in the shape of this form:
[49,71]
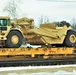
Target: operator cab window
[8,22]
[3,22]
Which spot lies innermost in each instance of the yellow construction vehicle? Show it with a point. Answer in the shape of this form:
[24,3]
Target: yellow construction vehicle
[46,34]
[12,34]
[9,37]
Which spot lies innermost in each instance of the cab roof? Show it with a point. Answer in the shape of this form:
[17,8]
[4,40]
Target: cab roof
[4,17]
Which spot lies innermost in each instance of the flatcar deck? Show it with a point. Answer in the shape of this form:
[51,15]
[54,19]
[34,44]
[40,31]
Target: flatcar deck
[38,56]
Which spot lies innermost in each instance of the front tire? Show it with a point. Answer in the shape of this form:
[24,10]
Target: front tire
[70,39]
[14,39]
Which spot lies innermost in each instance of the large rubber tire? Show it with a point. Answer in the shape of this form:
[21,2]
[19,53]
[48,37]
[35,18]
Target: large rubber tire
[9,41]
[70,39]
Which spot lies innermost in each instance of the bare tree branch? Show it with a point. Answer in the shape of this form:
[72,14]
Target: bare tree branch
[43,19]
[74,24]
[11,8]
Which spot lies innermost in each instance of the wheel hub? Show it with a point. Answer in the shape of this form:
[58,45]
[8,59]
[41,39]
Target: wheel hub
[72,38]
[15,39]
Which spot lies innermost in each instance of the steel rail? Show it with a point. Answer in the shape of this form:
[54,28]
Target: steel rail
[36,62]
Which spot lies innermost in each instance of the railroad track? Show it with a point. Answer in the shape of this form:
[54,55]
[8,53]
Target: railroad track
[37,62]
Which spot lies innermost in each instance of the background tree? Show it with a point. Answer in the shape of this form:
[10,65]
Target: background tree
[43,19]
[12,7]
[73,24]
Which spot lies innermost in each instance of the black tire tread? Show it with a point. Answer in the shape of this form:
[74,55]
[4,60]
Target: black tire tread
[67,41]
[9,44]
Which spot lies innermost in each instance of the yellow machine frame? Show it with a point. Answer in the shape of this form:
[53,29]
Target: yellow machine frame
[38,52]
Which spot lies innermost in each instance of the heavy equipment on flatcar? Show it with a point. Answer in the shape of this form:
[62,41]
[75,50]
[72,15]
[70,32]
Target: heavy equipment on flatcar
[12,34]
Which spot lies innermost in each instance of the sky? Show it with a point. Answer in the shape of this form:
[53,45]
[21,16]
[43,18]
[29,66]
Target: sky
[55,10]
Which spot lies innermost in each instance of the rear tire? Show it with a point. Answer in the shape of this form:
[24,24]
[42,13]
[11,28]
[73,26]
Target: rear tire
[70,39]
[14,39]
